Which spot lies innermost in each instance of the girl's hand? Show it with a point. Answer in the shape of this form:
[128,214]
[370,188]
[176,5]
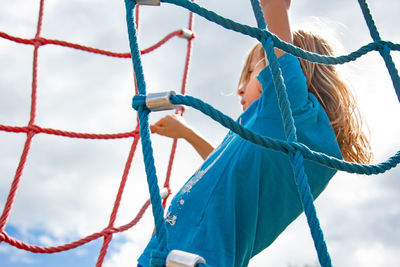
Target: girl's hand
[173,126]
[276,14]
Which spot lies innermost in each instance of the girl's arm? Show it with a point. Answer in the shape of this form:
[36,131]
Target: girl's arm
[174,126]
[276,15]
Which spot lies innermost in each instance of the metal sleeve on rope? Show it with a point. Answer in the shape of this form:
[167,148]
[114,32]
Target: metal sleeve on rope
[186,33]
[148,2]
[160,101]
[179,258]
[164,193]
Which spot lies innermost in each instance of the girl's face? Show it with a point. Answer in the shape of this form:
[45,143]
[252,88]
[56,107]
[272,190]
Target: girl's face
[251,88]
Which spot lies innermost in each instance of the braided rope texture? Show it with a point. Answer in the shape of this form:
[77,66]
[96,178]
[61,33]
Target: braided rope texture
[296,157]
[296,151]
[32,129]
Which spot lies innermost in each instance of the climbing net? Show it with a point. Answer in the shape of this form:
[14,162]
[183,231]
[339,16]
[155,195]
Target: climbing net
[32,129]
[296,151]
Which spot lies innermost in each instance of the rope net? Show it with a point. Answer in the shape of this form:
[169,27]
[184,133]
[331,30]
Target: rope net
[33,129]
[297,152]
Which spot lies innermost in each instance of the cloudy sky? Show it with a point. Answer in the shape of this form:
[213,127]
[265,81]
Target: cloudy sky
[69,185]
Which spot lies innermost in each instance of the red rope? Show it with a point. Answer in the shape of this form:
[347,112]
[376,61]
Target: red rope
[179,111]
[54,249]
[14,187]
[15,184]
[39,41]
[117,202]
[188,56]
[32,129]
[36,129]
[107,239]
[35,65]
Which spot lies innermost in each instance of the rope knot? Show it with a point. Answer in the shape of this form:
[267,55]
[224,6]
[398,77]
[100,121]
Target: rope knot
[39,41]
[34,128]
[263,35]
[158,258]
[109,231]
[386,49]
[139,101]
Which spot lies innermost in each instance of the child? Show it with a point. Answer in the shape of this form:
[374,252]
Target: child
[244,196]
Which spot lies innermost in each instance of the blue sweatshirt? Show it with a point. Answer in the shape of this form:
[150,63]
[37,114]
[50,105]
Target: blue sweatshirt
[244,196]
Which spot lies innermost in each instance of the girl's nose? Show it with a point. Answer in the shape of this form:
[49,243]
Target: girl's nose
[241,91]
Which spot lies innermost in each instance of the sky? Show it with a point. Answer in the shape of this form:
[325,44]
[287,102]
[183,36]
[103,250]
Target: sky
[69,185]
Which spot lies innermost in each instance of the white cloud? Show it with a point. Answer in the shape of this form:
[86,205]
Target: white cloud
[376,254]
[17,256]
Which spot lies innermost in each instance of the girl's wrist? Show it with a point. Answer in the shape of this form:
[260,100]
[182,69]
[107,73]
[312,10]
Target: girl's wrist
[286,3]
[187,134]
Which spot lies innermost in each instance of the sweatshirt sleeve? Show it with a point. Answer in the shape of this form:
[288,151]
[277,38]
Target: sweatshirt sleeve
[294,81]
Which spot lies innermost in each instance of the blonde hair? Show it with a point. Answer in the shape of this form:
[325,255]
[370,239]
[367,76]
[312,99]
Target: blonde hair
[332,93]
[256,52]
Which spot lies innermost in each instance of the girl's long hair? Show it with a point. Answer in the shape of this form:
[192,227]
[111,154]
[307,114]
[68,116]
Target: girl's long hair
[332,93]
[335,97]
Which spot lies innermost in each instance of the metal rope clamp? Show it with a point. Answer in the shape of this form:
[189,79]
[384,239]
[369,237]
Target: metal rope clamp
[148,2]
[164,193]
[179,258]
[186,34]
[160,101]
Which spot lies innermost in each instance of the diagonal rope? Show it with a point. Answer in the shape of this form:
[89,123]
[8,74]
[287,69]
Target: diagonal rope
[262,34]
[147,149]
[385,50]
[296,157]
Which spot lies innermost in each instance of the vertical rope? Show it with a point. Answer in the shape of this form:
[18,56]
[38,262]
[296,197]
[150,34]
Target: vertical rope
[188,55]
[169,171]
[180,110]
[280,87]
[255,4]
[158,211]
[30,134]
[15,184]
[35,64]
[137,21]
[296,157]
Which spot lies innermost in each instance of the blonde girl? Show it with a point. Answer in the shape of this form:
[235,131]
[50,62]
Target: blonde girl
[243,196]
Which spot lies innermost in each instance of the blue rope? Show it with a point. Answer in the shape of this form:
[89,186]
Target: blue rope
[276,144]
[155,198]
[307,200]
[296,151]
[385,50]
[262,34]
[296,157]
[258,14]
